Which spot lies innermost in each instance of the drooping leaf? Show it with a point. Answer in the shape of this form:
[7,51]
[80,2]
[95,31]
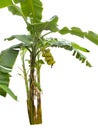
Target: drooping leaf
[77,31]
[64,30]
[8,57]
[4,80]
[92,37]
[70,46]
[5,3]
[50,25]
[4,88]
[76,46]
[74,31]
[33,9]
[7,60]
[27,39]
[81,57]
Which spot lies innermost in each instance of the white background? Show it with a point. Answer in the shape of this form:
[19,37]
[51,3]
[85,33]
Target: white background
[70,89]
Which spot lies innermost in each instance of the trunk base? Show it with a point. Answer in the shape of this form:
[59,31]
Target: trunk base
[34,113]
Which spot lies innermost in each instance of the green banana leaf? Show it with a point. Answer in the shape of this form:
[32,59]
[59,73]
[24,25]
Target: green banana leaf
[30,8]
[67,45]
[50,25]
[33,9]
[90,35]
[25,39]
[7,60]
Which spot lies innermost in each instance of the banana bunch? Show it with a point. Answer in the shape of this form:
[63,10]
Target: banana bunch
[48,56]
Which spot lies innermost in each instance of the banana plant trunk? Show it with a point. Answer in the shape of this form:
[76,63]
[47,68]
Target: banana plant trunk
[34,97]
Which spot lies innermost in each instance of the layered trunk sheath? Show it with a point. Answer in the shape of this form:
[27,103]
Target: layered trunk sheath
[34,112]
[34,99]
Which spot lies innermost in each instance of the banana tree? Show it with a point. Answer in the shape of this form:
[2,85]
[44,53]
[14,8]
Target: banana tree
[36,45]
